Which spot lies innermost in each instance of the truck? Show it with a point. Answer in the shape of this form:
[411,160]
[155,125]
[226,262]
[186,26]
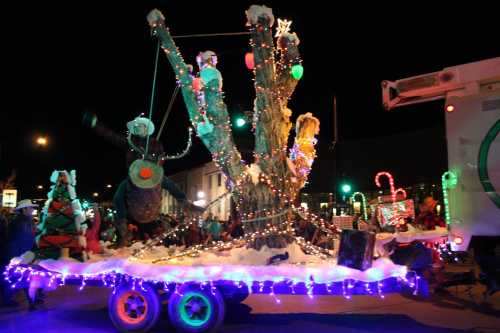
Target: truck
[471,94]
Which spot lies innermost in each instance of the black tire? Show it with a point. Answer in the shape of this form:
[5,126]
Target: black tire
[234,295]
[134,311]
[196,310]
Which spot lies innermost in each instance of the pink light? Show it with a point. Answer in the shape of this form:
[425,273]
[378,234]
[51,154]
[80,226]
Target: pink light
[391,184]
[402,191]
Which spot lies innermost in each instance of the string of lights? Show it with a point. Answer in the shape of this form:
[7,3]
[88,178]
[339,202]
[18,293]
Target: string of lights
[185,151]
[308,284]
[363,203]
[449,181]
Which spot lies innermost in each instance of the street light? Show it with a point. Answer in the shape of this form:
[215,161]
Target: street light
[95,194]
[40,187]
[42,141]
[108,186]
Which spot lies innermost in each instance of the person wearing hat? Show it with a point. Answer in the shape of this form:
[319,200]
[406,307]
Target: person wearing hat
[20,239]
[138,197]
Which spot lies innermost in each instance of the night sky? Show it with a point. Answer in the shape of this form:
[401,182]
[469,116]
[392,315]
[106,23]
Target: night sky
[99,56]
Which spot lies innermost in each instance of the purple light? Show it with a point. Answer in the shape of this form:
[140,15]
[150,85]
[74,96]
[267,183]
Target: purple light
[271,285]
[82,285]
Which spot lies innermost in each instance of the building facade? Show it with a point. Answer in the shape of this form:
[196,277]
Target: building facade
[202,186]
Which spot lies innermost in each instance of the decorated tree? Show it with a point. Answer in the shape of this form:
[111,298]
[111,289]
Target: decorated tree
[61,231]
[266,190]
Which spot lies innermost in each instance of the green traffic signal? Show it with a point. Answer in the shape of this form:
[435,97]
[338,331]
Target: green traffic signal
[240,122]
[346,188]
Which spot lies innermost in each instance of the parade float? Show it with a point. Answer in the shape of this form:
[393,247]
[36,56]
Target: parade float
[200,281]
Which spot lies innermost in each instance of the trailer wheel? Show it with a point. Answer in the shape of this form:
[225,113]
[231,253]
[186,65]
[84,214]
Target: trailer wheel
[234,295]
[196,310]
[134,311]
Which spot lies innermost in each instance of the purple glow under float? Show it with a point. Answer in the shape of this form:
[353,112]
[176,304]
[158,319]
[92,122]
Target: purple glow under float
[301,273]
[199,282]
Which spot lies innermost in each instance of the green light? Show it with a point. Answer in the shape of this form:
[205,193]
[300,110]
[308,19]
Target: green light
[240,122]
[346,188]
[202,318]
[449,181]
[363,202]
[85,205]
[297,71]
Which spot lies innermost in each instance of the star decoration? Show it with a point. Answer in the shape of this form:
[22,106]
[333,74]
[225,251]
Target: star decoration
[283,27]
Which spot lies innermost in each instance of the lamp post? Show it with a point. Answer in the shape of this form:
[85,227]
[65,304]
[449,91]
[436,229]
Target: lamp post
[42,141]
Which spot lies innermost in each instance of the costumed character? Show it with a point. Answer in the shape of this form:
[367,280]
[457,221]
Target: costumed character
[137,199]
[62,228]
[207,64]
[303,151]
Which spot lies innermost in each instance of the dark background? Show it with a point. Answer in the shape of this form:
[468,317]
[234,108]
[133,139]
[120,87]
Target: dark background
[63,59]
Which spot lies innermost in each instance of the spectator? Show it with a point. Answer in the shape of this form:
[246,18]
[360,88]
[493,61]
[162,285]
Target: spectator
[236,229]
[306,230]
[194,236]
[428,218]
[20,239]
[21,230]
[213,229]
[4,259]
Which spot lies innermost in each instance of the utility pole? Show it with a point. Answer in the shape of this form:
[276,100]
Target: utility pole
[334,145]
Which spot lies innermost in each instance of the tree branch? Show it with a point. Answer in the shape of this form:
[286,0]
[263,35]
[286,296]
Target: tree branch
[267,112]
[219,141]
[289,56]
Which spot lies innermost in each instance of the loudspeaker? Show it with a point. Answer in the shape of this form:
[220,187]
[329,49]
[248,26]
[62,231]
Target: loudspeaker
[356,249]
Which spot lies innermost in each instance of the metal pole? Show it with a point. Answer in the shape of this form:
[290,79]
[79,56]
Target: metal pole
[151,104]
[334,143]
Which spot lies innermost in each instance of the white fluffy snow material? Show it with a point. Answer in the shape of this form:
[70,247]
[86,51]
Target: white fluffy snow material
[255,11]
[408,236]
[154,16]
[72,178]
[54,176]
[71,192]
[78,213]
[238,264]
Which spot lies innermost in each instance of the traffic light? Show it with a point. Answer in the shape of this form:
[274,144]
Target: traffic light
[346,188]
[240,121]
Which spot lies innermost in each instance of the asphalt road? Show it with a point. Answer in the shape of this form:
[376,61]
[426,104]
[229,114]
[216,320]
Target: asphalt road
[70,310]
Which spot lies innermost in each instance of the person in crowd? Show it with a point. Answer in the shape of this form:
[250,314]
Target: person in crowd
[428,219]
[213,229]
[236,228]
[306,230]
[4,258]
[20,239]
[194,236]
